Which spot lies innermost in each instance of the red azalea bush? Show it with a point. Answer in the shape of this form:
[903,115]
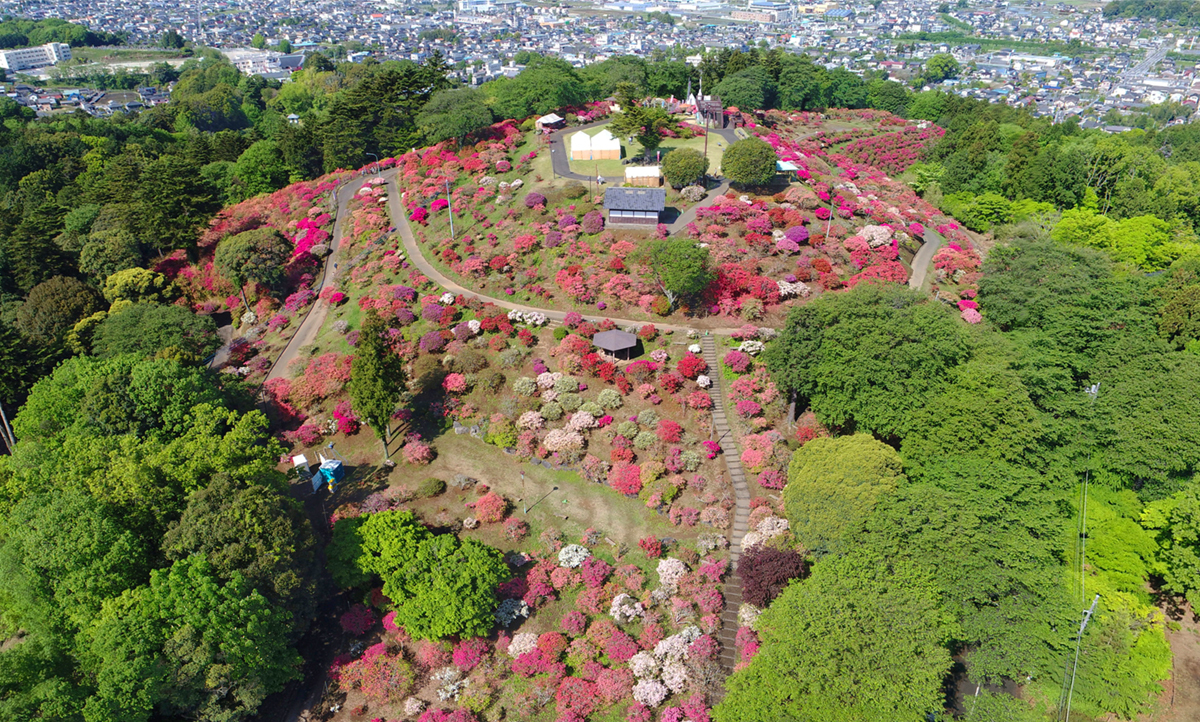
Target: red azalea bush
[469,653]
[691,366]
[652,546]
[737,361]
[358,620]
[765,571]
[491,508]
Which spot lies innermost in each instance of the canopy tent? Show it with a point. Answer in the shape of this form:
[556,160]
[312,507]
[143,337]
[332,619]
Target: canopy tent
[616,342]
[581,146]
[605,146]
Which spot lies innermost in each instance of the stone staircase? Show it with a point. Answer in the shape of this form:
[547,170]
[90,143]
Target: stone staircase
[741,511]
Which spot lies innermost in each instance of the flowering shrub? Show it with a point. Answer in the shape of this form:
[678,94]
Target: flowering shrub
[737,362]
[669,432]
[491,508]
[575,699]
[651,546]
[469,653]
[625,478]
[691,366]
[381,677]
[534,199]
[454,383]
[699,401]
[358,621]
[650,692]
[417,452]
[347,421]
[572,556]
[573,623]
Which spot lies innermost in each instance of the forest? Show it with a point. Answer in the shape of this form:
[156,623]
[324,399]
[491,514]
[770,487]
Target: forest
[924,511]
[1184,13]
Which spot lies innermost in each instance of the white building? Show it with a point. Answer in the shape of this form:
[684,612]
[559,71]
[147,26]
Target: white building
[25,58]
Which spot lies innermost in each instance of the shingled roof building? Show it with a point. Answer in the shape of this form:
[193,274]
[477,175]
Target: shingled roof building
[634,206]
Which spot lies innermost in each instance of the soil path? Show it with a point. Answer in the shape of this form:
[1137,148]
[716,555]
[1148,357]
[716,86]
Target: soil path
[741,510]
[1180,701]
[315,317]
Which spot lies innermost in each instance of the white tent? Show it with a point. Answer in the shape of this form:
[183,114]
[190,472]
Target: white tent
[605,146]
[581,146]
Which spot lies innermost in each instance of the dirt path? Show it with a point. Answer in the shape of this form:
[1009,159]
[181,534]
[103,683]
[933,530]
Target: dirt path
[1180,701]
[315,317]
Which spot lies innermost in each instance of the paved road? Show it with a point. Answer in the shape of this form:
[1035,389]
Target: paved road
[413,253]
[561,161]
[930,243]
[315,317]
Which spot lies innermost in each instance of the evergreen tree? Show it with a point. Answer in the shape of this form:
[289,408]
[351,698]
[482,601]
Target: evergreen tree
[377,379]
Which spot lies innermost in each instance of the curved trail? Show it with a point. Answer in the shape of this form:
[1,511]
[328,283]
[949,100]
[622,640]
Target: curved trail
[729,448]
[314,318]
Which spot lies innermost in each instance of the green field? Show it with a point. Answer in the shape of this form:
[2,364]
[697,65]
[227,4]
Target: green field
[614,168]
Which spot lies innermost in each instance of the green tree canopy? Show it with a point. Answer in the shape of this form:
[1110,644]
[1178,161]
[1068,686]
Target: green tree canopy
[940,67]
[861,640]
[261,169]
[53,308]
[138,285]
[681,267]
[870,358]
[684,166]
[440,586]
[991,536]
[257,256]
[833,483]
[377,378]
[454,114]
[63,557]
[188,645]
[253,530]
[147,328]
[749,162]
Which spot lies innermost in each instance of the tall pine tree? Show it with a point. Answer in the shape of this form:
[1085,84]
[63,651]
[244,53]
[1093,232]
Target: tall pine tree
[377,379]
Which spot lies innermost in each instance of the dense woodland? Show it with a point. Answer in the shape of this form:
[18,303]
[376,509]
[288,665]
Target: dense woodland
[153,566]
[1184,13]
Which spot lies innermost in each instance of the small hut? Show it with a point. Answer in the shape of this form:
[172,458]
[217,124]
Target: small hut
[617,343]
[550,122]
[646,176]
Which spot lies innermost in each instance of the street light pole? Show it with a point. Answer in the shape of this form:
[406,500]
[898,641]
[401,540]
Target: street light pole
[375,165]
[450,208]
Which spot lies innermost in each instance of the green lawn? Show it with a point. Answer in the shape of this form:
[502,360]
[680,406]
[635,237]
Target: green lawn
[613,168]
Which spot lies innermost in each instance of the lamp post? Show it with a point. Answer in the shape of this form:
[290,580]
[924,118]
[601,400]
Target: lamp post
[375,165]
[449,208]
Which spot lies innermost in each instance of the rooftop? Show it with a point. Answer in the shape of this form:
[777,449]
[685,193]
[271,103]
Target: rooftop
[635,199]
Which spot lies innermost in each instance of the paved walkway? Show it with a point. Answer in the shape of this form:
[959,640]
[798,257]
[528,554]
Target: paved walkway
[930,242]
[560,158]
[414,256]
[741,509]
[314,318]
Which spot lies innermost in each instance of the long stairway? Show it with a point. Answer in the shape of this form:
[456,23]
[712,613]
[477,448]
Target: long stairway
[741,511]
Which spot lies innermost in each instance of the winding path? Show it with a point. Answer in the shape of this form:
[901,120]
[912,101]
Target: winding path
[729,448]
[314,318]
[930,242]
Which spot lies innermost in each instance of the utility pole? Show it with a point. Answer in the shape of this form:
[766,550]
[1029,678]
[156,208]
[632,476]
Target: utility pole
[1087,616]
[449,208]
